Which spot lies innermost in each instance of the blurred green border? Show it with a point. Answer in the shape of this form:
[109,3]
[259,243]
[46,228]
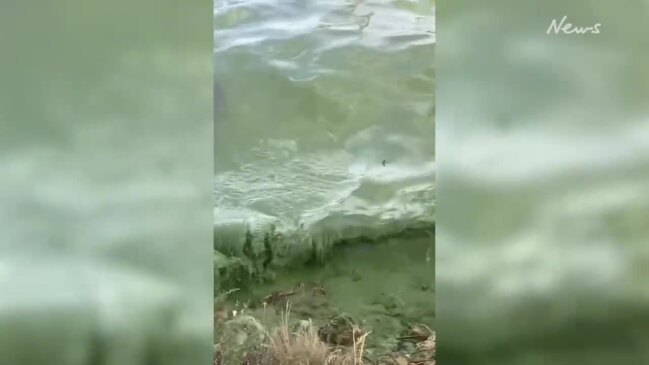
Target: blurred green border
[105,191]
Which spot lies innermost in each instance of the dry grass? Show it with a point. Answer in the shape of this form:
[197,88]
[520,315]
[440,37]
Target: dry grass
[304,347]
[301,345]
[346,356]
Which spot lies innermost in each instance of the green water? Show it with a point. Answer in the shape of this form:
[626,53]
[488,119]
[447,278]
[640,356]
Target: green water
[385,286]
[324,123]
[324,135]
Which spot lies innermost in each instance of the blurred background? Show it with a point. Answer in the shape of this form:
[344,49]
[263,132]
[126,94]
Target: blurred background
[105,175]
[543,173]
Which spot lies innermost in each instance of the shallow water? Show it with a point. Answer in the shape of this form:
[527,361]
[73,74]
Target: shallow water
[384,286]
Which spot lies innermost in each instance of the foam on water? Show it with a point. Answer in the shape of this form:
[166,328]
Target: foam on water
[321,198]
[327,133]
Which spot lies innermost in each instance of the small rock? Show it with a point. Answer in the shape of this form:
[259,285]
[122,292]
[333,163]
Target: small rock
[340,330]
[241,335]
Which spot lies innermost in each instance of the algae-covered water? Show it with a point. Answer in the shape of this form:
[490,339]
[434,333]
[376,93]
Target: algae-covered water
[324,159]
[324,120]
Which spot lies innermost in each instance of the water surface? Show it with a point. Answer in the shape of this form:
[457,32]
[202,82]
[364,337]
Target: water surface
[324,126]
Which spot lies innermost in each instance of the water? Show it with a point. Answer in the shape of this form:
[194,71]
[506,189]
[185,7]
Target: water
[324,125]
[324,156]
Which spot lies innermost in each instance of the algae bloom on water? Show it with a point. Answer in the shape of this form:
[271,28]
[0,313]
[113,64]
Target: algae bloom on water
[324,173]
